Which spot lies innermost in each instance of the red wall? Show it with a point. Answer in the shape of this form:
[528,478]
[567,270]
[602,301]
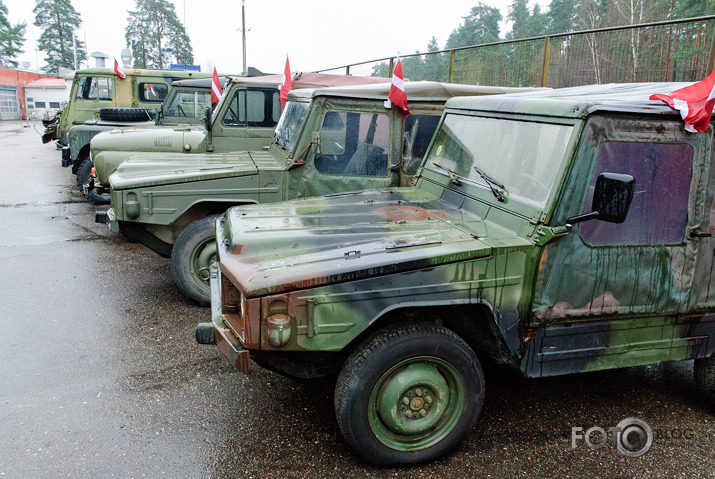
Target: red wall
[17,78]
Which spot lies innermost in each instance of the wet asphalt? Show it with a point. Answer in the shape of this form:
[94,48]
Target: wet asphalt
[100,375]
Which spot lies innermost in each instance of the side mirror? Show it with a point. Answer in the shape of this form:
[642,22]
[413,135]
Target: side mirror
[207,118]
[611,199]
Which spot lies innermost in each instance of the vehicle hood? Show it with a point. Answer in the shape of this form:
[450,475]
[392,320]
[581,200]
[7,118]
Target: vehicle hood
[266,249]
[150,139]
[147,169]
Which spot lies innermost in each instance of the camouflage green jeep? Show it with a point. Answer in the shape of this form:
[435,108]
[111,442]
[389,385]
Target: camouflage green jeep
[328,140]
[556,232]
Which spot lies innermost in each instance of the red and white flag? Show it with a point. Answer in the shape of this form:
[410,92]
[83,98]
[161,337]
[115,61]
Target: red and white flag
[397,95]
[695,103]
[118,70]
[216,93]
[286,84]
[151,89]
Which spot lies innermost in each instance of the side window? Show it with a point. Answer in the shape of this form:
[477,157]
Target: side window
[253,107]
[94,88]
[354,144]
[659,210]
[153,92]
[418,133]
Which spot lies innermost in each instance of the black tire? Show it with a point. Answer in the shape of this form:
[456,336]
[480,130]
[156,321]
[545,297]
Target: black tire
[704,370]
[193,253]
[408,394]
[84,172]
[97,198]
[125,114]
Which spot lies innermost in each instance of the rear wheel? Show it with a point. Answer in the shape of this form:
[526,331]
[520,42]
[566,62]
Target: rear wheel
[409,394]
[704,370]
[194,251]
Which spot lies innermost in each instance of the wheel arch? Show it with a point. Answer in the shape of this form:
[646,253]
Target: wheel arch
[203,208]
[474,322]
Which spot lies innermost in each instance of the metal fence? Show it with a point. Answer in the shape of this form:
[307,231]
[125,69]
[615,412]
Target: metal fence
[678,50]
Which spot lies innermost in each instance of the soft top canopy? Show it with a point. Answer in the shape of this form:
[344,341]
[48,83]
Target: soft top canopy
[311,80]
[200,82]
[422,90]
[576,102]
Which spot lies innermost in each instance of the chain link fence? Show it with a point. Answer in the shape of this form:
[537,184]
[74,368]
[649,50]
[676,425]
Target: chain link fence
[679,50]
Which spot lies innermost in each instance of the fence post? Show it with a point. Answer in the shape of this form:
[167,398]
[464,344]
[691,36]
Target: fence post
[545,65]
[711,59]
[451,67]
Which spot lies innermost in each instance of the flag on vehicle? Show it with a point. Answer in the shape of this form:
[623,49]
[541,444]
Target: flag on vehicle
[216,93]
[151,89]
[286,84]
[695,103]
[118,70]
[397,95]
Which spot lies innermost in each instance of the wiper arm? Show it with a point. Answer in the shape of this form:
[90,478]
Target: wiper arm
[491,183]
[452,177]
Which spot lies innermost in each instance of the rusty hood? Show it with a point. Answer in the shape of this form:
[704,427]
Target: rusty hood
[304,243]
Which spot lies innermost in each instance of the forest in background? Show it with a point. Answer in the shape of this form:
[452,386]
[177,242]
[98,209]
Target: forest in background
[659,53]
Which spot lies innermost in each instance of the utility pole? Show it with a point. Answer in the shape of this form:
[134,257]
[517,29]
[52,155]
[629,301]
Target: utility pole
[243,34]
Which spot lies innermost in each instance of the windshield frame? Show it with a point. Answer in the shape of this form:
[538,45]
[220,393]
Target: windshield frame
[292,108]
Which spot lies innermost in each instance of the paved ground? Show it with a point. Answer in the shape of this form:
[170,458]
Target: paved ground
[100,375]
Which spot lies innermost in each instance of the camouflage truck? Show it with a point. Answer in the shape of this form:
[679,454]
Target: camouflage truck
[245,119]
[97,88]
[184,105]
[555,232]
[328,140]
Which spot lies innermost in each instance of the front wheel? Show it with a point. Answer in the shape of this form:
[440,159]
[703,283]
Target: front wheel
[409,394]
[193,253]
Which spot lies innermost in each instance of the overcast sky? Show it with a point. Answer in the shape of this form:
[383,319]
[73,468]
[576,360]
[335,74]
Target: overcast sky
[315,34]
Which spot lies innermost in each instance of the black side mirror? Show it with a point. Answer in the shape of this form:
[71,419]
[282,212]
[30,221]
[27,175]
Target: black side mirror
[207,118]
[611,199]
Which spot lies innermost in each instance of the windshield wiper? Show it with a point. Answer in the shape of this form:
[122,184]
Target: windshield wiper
[452,177]
[491,183]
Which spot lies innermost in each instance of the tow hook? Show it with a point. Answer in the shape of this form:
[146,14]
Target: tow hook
[100,217]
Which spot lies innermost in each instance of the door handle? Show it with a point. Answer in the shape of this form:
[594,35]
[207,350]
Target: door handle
[696,233]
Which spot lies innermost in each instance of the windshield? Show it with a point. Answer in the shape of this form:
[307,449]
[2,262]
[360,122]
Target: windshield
[289,125]
[520,158]
[187,103]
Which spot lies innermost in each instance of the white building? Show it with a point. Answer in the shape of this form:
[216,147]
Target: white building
[46,96]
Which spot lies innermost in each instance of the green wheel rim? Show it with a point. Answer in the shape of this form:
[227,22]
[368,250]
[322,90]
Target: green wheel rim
[201,258]
[416,404]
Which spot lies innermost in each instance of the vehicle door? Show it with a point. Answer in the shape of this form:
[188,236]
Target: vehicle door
[362,148]
[92,93]
[248,120]
[611,295]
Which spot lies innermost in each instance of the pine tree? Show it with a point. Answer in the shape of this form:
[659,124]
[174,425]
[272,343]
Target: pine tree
[11,38]
[58,20]
[156,36]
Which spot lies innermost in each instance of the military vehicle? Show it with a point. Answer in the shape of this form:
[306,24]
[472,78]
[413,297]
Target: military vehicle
[97,88]
[185,105]
[328,140]
[555,232]
[244,120]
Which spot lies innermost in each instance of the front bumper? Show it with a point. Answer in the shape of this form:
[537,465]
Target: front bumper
[227,342]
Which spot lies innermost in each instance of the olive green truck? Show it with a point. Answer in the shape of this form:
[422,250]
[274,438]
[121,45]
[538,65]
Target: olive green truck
[555,232]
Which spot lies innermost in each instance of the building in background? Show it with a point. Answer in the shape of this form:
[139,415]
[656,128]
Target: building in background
[12,92]
[46,96]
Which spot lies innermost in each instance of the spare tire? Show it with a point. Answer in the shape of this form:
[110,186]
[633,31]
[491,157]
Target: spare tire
[125,114]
